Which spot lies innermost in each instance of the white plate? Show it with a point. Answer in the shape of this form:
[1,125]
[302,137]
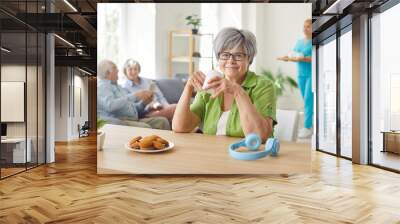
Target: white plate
[170,146]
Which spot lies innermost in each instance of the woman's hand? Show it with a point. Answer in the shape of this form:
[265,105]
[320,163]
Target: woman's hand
[145,95]
[296,59]
[221,85]
[184,120]
[157,106]
[284,58]
[293,59]
[196,80]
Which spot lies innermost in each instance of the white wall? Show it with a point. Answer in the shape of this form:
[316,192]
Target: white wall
[80,108]
[33,126]
[50,95]
[17,73]
[61,103]
[83,83]
[67,114]
[281,25]
[171,17]
[251,21]
[139,36]
[229,15]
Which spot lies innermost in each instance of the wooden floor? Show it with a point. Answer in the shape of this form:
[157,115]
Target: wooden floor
[69,191]
[387,159]
[10,171]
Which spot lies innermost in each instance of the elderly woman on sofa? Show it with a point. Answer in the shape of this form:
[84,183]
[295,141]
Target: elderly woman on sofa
[160,106]
[117,106]
[242,102]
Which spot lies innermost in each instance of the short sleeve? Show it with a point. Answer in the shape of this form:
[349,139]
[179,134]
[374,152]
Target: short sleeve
[199,105]
[308,51]
[297,47]
[116,101]
[264,98]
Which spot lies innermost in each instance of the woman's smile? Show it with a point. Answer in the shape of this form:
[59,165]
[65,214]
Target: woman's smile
[232,66]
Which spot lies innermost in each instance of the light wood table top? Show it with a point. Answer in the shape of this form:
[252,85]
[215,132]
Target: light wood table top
[193,154]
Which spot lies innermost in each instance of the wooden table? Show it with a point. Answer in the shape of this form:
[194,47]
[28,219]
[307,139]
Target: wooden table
[391,141]
[193,154]
[14,152]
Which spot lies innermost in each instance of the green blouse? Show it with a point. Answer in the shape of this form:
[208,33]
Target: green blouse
[262,94]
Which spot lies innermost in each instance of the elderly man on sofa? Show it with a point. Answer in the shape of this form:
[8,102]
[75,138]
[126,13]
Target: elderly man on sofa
[117,106]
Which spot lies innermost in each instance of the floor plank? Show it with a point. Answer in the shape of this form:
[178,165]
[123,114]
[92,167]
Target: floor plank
[69,191]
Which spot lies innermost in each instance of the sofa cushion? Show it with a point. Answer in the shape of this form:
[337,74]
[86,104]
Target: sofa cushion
[171,88]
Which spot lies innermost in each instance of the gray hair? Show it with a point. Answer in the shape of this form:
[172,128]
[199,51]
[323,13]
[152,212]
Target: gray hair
[230,38]
[131,63]
[104,67]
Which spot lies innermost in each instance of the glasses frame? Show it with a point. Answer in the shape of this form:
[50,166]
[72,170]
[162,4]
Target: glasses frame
[233,56]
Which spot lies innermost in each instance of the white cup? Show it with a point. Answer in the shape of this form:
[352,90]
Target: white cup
[209,75]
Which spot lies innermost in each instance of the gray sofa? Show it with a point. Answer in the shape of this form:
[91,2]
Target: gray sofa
[171,88]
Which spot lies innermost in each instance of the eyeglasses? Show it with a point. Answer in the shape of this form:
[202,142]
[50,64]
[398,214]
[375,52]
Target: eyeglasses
[236,56]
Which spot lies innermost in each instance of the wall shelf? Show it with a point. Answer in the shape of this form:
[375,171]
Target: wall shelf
[174,37]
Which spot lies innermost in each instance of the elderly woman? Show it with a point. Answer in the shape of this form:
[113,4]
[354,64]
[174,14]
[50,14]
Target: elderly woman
[160,106]
[242,102]
[117,106]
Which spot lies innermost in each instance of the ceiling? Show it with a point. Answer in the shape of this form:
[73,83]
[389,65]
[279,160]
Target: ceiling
[74,22]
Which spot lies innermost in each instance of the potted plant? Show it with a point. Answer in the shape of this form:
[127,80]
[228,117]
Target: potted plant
[195,21]
[101,135]
[287,118]
[280,81]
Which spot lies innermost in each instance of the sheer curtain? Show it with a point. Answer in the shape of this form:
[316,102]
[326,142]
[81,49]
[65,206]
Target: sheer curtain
[127,31]
[109,28]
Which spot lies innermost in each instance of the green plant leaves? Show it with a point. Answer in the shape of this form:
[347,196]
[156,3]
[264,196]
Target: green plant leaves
[100,123]
[279,80]
[193,20]
[291,82]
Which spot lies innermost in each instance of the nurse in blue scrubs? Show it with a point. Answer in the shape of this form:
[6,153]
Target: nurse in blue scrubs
[302,57]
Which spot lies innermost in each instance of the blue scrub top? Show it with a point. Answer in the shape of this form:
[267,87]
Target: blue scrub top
[303,47]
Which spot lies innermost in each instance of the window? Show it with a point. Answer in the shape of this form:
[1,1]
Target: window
[385,86]
[346,94]
[327,97]
[109,32]
[122,34]
[22,75]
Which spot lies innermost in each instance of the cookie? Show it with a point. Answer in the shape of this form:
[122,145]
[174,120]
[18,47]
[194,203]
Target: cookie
[146,143]
[163,141]
[158,145]
[149,138]
[135,139]
[135,145]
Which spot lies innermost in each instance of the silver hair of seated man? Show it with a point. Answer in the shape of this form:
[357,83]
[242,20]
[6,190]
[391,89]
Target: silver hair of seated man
[104,67]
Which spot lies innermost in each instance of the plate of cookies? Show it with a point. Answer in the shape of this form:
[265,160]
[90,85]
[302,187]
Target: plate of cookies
[149,144]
